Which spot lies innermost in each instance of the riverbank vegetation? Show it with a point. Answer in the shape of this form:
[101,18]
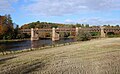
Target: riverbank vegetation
[6,28]
[9,30]
[99,56]
[83,36]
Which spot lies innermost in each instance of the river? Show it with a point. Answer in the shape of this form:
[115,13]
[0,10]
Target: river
[26,44]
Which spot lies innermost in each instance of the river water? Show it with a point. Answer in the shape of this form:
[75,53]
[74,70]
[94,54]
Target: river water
[26,44]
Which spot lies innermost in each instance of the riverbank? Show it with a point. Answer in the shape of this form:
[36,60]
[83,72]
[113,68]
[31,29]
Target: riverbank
[39,48]
[19,46]
[100,56]
[10,52]
[13,40]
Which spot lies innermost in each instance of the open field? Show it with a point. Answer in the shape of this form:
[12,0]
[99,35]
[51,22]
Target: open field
[92,57]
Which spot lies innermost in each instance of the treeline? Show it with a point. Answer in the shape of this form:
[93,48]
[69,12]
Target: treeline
[8,29]
[111,25]
[39,24]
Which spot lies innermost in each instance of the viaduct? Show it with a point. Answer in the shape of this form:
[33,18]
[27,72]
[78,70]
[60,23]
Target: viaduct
[55,32]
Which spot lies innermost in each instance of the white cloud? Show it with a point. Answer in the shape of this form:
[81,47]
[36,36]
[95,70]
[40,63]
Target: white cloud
[94,21]
[61,7]
[69,21]
[6,5]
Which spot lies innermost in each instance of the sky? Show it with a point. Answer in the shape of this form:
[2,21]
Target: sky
[93,12]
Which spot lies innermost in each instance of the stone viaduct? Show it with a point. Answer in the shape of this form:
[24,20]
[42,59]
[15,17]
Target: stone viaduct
[35,33]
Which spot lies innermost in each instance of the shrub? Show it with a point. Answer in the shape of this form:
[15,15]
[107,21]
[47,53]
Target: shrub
[94,33]
[83,36]
[112,34]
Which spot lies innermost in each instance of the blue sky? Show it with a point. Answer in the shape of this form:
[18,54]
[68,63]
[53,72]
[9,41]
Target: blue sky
[94,12]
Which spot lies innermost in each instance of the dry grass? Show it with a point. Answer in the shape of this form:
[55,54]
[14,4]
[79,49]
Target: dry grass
[92,57]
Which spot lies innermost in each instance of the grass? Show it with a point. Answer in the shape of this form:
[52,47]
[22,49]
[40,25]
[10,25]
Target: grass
[100,56]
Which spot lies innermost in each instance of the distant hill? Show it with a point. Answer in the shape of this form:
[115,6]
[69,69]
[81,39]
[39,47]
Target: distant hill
[39,24]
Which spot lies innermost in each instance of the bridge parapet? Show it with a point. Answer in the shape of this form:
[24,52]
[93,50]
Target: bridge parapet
[25,31]
[91,29]
[65,30]
[114,30]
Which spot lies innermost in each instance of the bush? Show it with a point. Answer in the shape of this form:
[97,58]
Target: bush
[94,33]
[83,36]
[22,36]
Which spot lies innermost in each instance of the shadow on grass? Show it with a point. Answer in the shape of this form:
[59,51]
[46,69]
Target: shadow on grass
[33,67]
[2,60]
[25,68]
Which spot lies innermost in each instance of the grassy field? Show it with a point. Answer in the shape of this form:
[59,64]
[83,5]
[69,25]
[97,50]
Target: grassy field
[92,57]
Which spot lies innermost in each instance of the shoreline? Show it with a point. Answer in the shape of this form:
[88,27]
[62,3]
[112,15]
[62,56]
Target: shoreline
[44,47]
[7,53]
[39,48]
[13,40]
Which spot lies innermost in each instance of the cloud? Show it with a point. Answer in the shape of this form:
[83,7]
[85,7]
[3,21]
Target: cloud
[69,21]
[6,5]
[94,21]
[62,7]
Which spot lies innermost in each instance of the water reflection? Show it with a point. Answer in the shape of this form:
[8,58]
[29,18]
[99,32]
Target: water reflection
[26,44]
[40,43]
[2,48]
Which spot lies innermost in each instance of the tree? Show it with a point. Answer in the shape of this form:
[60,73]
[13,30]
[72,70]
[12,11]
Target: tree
[87,25]
[117,25]
[78,25]
[1,28]
[82,25]
[16,31]
[108,25]
[6,28]
[83,36]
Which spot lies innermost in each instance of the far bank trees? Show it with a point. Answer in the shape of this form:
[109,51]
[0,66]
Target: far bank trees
[8,29]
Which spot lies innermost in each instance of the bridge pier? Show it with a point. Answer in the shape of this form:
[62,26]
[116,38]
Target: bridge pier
[55,36]
[76,30]
[34,35]
[102,32]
